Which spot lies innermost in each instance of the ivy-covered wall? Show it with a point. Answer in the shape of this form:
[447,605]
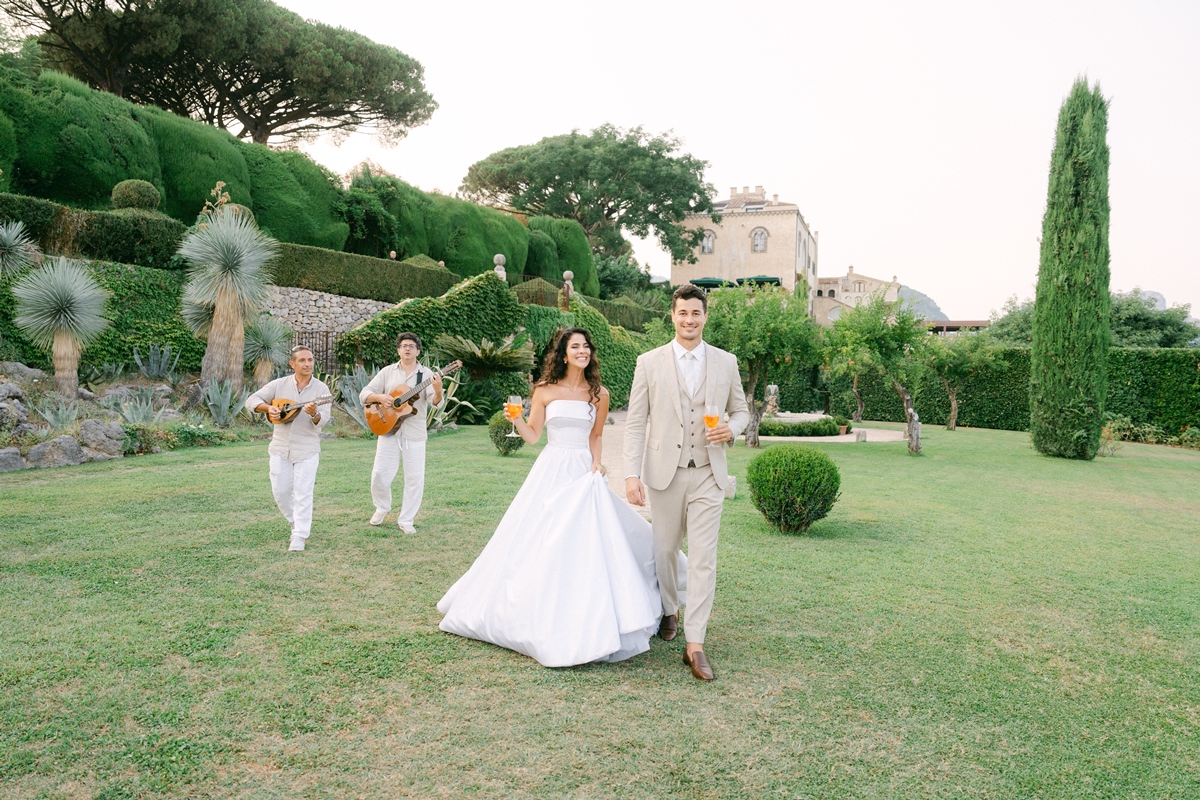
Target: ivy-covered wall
[1149,385]
[482,307]
[143,308]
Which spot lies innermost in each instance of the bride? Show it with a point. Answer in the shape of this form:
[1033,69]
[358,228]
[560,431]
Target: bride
[568,577]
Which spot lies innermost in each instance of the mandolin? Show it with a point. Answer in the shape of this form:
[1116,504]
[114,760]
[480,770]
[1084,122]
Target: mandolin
[385,418]
[288,409]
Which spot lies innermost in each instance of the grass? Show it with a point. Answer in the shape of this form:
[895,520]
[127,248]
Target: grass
[976,622]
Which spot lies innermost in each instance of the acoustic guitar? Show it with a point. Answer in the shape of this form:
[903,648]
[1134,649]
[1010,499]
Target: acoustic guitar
[385,418]
[288,409]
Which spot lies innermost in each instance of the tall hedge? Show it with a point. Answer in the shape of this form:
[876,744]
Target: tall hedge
[1071,308]
[353,275]
[1156,386]
[8,150]
[481,307]
[144,310]
[194,157]
[543,256]
[574,252]
[293,198]
[467,237]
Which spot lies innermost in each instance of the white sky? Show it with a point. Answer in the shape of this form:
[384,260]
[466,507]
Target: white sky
[915,137]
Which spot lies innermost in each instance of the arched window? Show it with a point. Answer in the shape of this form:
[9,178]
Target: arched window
[859,286]
[819,293]
[833,293]
[758,240]
[706,245]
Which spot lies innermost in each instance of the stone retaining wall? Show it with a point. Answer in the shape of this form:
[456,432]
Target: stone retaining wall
[306,310]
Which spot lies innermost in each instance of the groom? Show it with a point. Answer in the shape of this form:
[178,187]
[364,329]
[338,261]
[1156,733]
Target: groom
[667,457]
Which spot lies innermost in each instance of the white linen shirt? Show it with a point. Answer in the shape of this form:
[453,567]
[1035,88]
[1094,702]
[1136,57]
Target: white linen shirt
[300,438]
[698,367]
[412,428]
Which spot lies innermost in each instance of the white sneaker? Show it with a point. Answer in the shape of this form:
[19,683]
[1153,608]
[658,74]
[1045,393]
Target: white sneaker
[297,543]
[377,517]
[406,528]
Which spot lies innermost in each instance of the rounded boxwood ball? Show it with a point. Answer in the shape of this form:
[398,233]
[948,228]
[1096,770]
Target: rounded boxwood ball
[793,485]
[499,426]
[135,194]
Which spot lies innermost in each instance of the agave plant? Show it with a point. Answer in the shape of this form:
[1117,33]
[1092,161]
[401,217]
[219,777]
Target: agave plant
[268,345]
[18,252]
[61,307]
[140,407]
[157,363]
[486,358]
[58,412]
[350,385]
[228,257]
[224,401]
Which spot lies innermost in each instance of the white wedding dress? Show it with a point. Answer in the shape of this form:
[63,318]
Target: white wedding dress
[568,577]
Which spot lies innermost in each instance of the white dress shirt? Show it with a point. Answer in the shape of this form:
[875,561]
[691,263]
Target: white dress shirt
[691,372]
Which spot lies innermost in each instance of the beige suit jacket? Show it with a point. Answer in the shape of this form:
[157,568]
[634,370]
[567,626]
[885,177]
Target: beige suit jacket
[654,431]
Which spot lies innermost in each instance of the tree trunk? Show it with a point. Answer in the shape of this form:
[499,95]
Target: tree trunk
[910,417]
[66,364]
[755,409]
[858,411]
[262,372]
[226,343]
[952,392]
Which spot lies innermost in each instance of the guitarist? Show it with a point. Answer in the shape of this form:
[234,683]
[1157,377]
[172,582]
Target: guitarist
[407,442]
[296,445]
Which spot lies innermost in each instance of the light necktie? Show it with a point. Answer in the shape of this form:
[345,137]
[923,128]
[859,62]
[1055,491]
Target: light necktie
[689,371]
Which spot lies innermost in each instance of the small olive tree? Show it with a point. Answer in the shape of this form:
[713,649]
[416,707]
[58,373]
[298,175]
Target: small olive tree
[954,359]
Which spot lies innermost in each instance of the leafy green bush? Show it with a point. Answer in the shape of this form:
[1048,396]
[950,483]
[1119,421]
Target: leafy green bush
[128,236]
[482,307]
[353,275]
[574,252]
[134,193]
[793,486]
[543,256]
[538,291]
[38,215]
[480,398]
[623,312]
[8,150]
[818,427]
[293,198]
[499,426]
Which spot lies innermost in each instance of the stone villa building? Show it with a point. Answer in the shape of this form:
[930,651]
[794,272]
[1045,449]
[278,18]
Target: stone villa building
[756,238]
[835,294]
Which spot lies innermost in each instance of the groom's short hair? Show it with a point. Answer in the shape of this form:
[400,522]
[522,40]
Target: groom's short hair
[690,291]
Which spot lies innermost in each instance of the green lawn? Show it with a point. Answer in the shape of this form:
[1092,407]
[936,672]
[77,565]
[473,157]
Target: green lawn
[977,622]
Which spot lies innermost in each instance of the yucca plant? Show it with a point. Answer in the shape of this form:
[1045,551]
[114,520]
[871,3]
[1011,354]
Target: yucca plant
[486,358]
[18,252]
[228,257]
[61,307]
[268,345]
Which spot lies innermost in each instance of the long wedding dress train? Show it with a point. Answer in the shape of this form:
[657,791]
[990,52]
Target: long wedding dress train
[568,577]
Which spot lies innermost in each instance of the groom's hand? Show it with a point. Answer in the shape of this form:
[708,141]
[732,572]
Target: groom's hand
[721,433]
[635,492]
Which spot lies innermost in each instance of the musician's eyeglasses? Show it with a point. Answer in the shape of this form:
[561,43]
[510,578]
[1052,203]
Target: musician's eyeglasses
[408,346]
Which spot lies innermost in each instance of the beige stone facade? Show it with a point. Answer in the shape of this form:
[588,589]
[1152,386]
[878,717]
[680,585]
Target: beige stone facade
[756,237]
[834,295]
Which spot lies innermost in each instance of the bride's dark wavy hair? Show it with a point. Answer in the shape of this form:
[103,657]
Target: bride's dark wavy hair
[554,367]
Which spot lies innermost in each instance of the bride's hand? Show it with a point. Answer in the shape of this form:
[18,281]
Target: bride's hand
[598,467]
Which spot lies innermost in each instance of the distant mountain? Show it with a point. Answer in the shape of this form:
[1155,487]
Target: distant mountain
[923,304]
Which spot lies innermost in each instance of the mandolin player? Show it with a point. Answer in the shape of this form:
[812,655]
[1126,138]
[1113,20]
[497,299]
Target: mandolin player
[295,445]
[407,442]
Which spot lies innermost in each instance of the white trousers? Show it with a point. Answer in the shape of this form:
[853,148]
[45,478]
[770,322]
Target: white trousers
[292,484]
[389,452]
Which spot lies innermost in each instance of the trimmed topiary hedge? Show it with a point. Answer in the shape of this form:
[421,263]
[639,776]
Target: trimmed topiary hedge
[482,307]
[793,486]
[353,275]
[629,315]
[574,252]
[817,427]
[543,256]
[467,237]
[293,199]
[1157,386]
[136,194]
[499,426]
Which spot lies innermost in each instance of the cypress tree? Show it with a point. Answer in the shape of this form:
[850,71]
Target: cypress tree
[1071,309]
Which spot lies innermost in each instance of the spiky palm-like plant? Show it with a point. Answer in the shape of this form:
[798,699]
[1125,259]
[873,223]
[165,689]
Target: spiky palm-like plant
[61,307]
[487,357]
[268,345]
[18,252]
[228,257]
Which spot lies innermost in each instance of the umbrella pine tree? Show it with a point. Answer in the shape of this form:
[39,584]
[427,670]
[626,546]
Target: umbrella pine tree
[1071,308]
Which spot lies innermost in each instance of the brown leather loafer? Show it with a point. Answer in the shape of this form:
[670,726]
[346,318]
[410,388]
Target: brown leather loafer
[668,629]
[699,664]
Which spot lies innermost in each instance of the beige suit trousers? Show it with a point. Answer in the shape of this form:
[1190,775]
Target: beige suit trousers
[690,506]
